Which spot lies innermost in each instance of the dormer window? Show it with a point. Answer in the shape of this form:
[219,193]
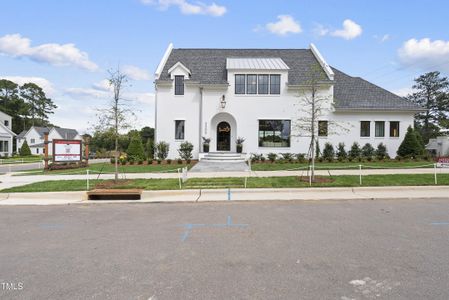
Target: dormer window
[179,85]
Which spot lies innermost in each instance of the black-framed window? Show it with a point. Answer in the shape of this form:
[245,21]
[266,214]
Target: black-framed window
[275,84]
[179,85]
[263,84]
[365,128]
[4,146]
[179,129]
[323,128]
[274,133]
[394,129]
[240,84]
[6,123]
[379,129]
[251,84]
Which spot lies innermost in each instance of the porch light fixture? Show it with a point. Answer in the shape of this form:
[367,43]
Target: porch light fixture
[223,102]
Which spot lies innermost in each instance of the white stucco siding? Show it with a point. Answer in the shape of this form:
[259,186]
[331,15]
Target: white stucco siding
[172,107]
[350,133]
[243,113]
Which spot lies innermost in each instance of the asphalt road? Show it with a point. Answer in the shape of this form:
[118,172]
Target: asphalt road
[271,250]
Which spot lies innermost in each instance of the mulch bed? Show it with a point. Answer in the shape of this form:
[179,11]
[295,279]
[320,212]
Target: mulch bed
[110,184]
[317,179]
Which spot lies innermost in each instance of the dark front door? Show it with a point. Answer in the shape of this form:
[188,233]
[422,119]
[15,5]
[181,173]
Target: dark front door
[223,137]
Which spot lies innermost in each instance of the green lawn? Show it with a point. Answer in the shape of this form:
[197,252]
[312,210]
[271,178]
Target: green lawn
[253,182]
[20,159]
[109,168]
[279,166]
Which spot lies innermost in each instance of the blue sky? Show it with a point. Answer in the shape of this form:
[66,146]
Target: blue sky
[68,46]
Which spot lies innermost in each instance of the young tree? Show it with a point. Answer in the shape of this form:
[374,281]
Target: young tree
[25,149]
[116,116]
[431,94]
[162,149]
[149,149]
[368,150]
[355,151]
[381,151]
[314,103]
[185,150]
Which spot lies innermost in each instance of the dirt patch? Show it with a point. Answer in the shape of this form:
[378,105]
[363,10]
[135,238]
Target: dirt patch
[317,179]
[111,184]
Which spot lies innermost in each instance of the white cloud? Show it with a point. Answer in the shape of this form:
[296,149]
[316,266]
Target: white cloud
[136,73]
[425,54]
[55,54]
[403,91]
[285,25]
[350,30]
[45,84]
[187,8]
[103,85]
[385,38]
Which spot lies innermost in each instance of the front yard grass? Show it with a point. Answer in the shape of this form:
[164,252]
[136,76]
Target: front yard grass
[279,166]
[238,182]
[109,168]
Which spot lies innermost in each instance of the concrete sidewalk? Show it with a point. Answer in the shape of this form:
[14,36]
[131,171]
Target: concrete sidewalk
[8,181]
[225,195]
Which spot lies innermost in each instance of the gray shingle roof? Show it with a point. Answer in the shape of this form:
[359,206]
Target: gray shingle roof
[22,134]
[41,130]
[208,66]
[357,93]
[67,133]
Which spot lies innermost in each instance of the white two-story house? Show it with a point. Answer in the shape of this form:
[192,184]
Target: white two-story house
[261,94]
[35,138]
[6,135]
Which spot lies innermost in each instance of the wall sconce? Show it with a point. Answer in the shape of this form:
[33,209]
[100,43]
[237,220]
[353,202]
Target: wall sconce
[223,102]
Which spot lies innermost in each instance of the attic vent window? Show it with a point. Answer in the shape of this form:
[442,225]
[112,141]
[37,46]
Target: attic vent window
[179,85]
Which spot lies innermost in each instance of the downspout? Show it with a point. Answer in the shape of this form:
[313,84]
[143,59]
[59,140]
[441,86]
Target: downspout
[201,120]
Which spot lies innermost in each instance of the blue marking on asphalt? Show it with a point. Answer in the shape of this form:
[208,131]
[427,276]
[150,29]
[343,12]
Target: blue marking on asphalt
[229,194]
[189,227]
[440,223]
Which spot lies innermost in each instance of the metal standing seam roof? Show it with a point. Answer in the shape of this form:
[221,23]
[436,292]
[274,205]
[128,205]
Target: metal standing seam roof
[270,63]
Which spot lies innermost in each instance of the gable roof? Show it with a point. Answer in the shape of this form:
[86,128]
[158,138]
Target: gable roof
[355,93]
[9,131]
[66,133]
[22,134]
[41,130]
[208,66]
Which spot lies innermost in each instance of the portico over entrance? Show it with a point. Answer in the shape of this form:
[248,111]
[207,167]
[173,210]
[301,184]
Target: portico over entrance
[223,132]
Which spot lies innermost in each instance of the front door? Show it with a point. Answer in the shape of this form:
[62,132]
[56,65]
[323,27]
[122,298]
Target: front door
[223,136]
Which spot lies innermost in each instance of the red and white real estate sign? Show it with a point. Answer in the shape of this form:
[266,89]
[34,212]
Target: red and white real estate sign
[443,162]
[66,150]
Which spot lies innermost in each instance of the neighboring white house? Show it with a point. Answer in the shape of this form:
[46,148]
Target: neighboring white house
[223,94]
[35,138]
[439,146]
[6,135]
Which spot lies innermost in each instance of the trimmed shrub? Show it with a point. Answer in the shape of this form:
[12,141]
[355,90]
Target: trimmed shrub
[301,157]
[410,146]
[341,152]
[368,151]
[272,157]
[287,156]
[162,149]
[185,150]
[25,149]
[328,152]
[168,161]
[179,161]
[355,151]
[149,149]
[381,151]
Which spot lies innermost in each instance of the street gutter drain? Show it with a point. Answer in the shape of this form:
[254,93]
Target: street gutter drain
[114,194]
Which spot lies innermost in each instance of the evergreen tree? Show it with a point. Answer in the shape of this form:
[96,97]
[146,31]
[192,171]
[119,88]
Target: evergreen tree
[135,149]
[355,151]
[149,149]
[341,152]
[381,151]
[431,94]
[368,150]
[25,149]
[328,152]
[410,146]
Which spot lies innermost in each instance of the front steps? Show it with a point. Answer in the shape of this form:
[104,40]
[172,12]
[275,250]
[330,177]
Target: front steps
[228,157]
